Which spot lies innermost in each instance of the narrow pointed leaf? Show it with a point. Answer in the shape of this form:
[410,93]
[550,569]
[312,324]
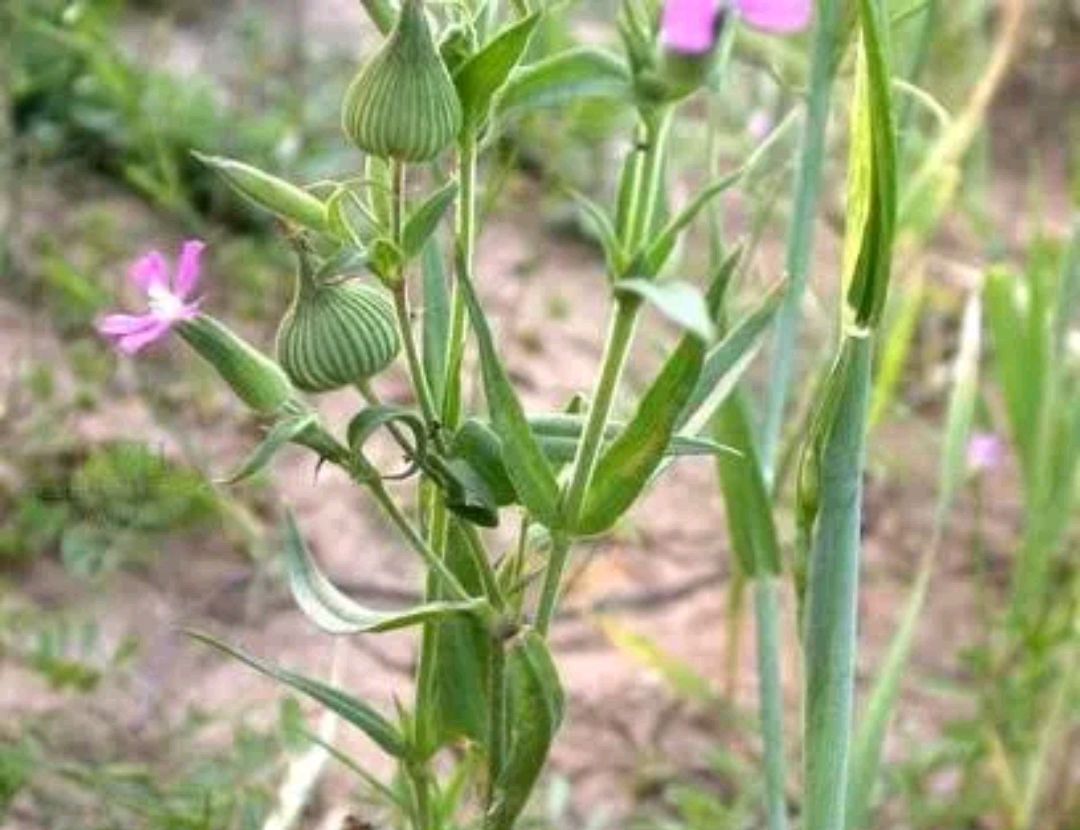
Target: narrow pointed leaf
[336,613]
[536,706]
[628,463]
[361,715]
[425,219]
[526,465]
[682,303]
[484,73]
[284,431]
[436,320]
[576,74]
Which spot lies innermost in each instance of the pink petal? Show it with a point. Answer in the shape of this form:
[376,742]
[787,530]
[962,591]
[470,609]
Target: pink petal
[150,270]
[783,16]
[114,325]
[690,26]
[186,279]
[132,343]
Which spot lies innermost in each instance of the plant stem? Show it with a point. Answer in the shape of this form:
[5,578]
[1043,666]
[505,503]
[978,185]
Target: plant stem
[420,779]
[832,594]
[648,176]
[771,698]
[369,478]
[403,312]
[828,34]
[483,564]
[464,254]
[496,713]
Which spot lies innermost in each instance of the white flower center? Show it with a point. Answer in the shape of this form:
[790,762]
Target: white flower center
[164,303]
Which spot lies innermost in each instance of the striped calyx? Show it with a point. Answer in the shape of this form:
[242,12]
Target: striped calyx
[256,379]
[336,334]
[403,103]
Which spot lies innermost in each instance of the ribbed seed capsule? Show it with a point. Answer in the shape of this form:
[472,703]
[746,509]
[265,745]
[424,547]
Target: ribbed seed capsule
[336,334]
[403,103]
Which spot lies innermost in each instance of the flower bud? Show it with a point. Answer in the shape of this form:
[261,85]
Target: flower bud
[335,334]
[403,103]
[256,379]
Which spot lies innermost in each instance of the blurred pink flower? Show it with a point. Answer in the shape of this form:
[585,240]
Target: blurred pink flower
[169,299]
[985,451]
[691,26]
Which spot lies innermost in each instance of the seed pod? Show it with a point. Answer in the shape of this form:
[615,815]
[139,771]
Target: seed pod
[335,334]
[255,378]
[403,103]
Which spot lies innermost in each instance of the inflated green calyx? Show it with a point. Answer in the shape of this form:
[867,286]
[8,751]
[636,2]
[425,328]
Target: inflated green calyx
[336,333]
[403,103]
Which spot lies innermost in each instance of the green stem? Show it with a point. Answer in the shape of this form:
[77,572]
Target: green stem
[370,479]
[420,779]
[496,714]
[403,311]
[480,559]
[464,254]
[771,698]
[648,177]
[830,642]
[827,39]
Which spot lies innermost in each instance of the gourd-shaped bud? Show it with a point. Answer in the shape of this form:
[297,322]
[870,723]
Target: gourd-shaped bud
[335,333]
[255,378]
[403,104]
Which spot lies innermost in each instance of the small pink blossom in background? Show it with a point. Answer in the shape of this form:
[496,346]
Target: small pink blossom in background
[985,452]
[691,26]
[759,125]
[169,299]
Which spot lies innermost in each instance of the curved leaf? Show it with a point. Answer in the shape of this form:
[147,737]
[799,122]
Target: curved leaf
[285,430]
[334,612]
[681,302]
[582,72]
[354,711]
[484,73]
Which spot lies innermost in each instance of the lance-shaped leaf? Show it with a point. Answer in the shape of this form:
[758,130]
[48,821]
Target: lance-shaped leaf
[726,363]
[682,303]
[536,706]
[629,462]
[576,74]
[655,255]
[484,73]
[269,192]
[871,213]
[436,319]
[614,255]
[526,465]
[425,219]
[336,613]
[748,507]
[281,433]
[352,710]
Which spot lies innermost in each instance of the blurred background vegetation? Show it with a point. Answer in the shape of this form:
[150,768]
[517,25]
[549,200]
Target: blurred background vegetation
[107,469]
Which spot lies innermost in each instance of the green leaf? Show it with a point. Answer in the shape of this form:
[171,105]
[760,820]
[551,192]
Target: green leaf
[354,711]
[526,465]
[334,612]
[285,430]
[462,657]
[481,77]
[614,255]
[269,192]
[536,706]
[436,320]
[748,508]
[726,363]
[872,188]
[425,219]
[582,72]
[628,463]
[656,254]
[682,303]
[373,418]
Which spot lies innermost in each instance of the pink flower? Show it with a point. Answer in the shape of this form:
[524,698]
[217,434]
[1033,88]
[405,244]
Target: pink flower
[985,452]
[691,26]
[169,299]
